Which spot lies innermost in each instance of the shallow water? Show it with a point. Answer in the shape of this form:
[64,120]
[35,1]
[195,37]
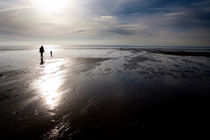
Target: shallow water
[101,93]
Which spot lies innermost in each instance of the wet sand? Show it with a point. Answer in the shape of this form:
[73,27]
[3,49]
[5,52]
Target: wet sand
[105,94]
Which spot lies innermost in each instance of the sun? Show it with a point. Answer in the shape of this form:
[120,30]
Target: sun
[49,6]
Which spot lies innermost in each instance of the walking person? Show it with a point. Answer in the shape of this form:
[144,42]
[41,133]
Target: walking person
[41,50]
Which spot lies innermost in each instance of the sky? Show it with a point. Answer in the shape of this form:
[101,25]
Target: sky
[105,22]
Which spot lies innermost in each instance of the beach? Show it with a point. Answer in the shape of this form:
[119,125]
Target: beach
[103,93]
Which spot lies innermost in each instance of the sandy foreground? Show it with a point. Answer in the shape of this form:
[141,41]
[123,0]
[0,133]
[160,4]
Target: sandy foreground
[101,93]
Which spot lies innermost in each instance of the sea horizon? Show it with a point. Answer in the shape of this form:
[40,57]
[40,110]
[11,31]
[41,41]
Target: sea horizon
[32,47]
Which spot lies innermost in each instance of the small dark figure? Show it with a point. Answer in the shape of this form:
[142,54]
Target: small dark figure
[41,50]
[51,53]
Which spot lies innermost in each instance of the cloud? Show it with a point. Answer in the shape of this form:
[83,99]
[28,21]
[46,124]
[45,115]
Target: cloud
[136,22]
[128,29]
[105,18]
[172,14]
[189,18]
[13,9]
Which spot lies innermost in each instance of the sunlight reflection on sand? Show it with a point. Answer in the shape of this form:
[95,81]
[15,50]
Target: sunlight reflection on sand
[51,80]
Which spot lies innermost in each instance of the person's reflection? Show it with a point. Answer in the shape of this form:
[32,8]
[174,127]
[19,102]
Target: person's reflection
[42,61]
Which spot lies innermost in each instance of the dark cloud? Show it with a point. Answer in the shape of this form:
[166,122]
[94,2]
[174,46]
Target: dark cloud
[81,31]
[171,14]
[151,6]
[195,16]
[121,31]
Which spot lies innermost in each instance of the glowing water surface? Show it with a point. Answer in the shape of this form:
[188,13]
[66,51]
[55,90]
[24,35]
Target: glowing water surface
[51,80]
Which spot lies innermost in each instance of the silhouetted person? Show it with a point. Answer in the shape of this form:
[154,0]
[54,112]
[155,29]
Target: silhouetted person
[41,50]
[51,53]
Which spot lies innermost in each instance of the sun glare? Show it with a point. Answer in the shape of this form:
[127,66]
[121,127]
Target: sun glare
[50,83]
[49,6]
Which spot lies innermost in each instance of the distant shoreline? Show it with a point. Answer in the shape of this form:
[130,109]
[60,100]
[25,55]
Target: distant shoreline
[184,53]
[19,47]
[179,51]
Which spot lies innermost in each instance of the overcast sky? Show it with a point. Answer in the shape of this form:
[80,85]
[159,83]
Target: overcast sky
[105,22]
